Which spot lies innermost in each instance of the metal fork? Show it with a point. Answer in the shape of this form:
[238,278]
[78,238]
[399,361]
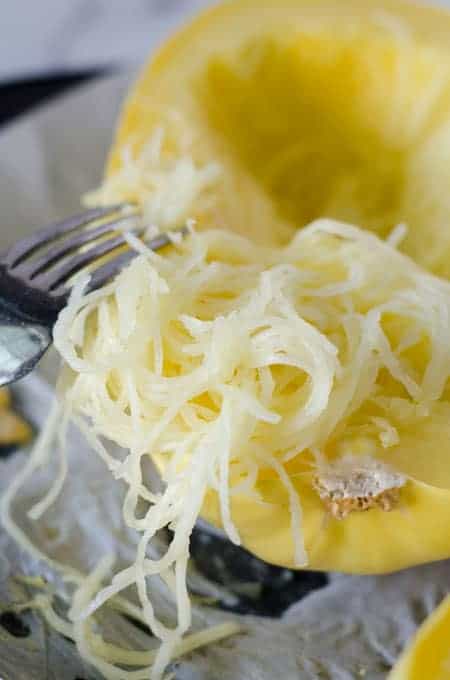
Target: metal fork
[36,274]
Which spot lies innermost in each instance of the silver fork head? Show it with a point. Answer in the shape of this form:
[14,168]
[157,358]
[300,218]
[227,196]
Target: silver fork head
[48,259]
[36,273]
[43,263]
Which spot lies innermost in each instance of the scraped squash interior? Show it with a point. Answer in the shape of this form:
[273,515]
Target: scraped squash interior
[340,128]
[337,120]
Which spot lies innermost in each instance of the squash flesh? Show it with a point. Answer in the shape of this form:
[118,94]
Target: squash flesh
[310,119]
[321,110]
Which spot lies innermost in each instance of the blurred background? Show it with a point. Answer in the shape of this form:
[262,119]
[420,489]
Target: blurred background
[47,46]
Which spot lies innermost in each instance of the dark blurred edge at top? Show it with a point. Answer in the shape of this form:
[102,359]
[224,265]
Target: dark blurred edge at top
[20,96]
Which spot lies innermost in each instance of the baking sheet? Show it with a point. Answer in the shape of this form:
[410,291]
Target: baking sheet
[353,627]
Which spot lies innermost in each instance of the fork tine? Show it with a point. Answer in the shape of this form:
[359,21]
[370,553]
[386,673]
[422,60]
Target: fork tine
[28,246]
[109,269]
[29,268]
[51,278]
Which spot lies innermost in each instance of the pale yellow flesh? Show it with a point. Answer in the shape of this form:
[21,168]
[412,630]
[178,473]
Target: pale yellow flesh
[312,116]
[428,654]
[313,109]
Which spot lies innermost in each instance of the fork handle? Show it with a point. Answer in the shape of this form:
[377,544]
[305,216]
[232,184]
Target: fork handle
[22,344]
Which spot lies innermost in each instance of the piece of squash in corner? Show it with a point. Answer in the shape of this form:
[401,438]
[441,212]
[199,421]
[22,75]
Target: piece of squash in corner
[13,429]
[314,108]
[428,655]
